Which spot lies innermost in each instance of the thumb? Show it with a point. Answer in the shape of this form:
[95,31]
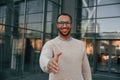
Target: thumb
[56,57]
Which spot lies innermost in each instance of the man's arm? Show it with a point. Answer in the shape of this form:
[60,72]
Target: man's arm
[86,71]
[45,56]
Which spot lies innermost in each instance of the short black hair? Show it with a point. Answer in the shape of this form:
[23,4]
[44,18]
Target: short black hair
[65,14]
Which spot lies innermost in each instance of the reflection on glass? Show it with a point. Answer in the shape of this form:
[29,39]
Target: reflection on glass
[109,57]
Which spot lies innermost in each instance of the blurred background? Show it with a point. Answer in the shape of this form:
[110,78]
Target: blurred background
[25,25]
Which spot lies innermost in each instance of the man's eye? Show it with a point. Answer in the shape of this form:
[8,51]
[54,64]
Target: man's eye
[64,22]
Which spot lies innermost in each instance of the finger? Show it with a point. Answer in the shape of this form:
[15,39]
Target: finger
[53,66]
[54,69]
[56,57]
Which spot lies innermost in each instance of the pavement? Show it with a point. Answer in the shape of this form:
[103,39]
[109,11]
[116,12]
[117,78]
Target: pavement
[104,76]
[44,76]
[23,76]
[35,76]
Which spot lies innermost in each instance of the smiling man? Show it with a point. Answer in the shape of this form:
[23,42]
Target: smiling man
[64,57]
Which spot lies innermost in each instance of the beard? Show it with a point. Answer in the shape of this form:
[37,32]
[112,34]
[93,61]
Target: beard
[61,33]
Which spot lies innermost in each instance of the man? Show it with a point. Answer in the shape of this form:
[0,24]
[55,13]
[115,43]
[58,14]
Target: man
[64,57]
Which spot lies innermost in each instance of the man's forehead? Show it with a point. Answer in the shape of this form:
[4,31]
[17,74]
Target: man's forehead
[64,17]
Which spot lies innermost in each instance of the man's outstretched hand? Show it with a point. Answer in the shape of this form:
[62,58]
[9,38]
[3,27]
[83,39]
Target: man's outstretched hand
[53,63]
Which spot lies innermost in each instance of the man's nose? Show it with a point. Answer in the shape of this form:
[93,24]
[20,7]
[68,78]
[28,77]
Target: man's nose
[64,25]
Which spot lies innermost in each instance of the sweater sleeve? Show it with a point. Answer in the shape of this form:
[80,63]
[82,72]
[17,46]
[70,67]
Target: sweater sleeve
[45,56]
[86,71]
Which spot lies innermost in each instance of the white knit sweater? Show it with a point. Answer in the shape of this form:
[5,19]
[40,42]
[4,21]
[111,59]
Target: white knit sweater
[73,62]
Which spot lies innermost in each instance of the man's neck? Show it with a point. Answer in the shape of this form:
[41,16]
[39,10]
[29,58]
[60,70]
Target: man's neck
[65,37]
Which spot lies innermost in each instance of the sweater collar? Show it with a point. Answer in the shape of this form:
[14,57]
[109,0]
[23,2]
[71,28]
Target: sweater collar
[64,39]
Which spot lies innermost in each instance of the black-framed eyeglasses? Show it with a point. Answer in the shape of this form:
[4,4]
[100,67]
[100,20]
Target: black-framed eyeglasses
[64,22]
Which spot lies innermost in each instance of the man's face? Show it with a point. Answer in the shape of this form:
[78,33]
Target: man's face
[64,25]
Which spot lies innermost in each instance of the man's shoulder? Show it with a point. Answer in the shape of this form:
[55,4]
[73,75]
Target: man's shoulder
[50,41]
[78,40]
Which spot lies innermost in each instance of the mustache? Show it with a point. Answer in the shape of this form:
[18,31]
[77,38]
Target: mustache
[62,33]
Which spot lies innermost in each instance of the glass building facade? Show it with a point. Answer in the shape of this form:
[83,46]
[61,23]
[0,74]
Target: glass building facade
[99,26]
[25,25]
